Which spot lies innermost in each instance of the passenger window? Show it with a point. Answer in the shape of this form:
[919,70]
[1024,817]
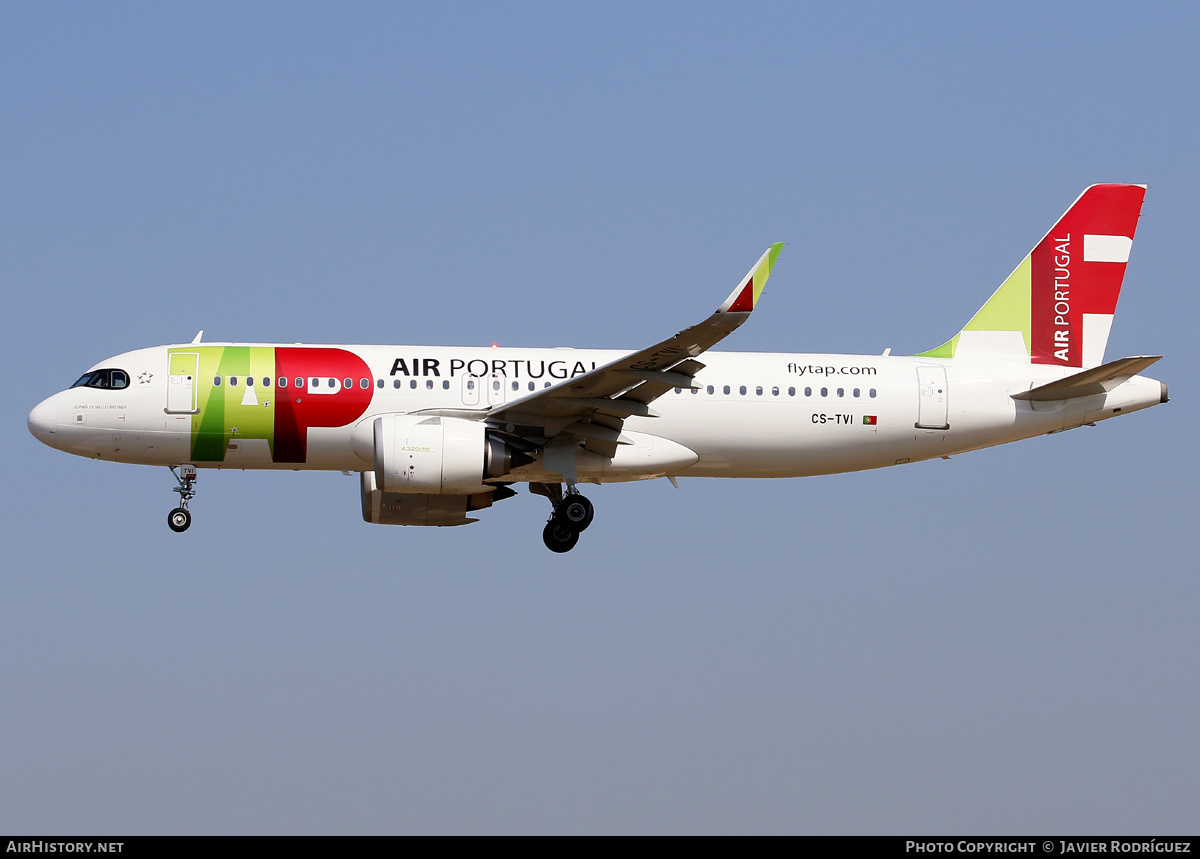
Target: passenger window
[808,392]
[824,392]
[872,392]
[445,384]
[470,384]
[791,392]
[216,381]
[249,381]
[379,383]
[347,383]
[283,381]
[758,390]
[679,390]
[364,383]
[726,389]
[495,385]
[857,392]
[233,381]
[711,389]
[742,390]
[333,383]
[546,385]
[429,384]
[396,383]
[532,386]
[516,386]
[841,392]
[775,391]
[412,383]
[300,382]
[266,381]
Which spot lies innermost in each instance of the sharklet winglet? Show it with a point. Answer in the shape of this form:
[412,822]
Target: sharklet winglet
[745,296]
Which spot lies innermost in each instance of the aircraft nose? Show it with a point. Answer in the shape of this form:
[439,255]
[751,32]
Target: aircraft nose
[43,423]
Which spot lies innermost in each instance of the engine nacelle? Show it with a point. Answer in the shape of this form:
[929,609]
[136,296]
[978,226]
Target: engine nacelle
[406,508]
[414,454]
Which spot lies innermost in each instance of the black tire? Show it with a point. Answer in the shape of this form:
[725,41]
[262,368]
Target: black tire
[575,512]
[179,520]
[557,538]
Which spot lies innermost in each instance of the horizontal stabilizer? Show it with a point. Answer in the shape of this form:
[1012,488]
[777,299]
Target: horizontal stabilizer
[1098,380]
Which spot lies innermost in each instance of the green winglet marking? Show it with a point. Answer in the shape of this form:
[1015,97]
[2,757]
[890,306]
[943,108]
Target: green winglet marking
[775,249]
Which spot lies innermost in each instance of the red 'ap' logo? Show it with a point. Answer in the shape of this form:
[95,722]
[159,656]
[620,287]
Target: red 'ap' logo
[325,388]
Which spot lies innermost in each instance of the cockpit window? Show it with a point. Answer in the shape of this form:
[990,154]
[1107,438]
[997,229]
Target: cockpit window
[108,378]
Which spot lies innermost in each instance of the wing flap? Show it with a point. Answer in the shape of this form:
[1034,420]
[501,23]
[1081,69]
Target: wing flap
[596,432]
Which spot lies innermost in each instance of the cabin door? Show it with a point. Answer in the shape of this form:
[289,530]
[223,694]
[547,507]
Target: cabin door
[933,402]
[181,382]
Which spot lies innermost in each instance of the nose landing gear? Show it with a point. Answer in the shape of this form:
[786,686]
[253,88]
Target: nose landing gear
[179,519]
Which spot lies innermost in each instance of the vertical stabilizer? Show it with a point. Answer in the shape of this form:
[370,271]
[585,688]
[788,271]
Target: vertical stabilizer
[1057,306]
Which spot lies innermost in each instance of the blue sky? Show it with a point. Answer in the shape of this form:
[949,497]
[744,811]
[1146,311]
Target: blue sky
[1002,643]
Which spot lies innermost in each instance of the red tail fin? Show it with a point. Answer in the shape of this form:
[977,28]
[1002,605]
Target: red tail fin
[1076,276]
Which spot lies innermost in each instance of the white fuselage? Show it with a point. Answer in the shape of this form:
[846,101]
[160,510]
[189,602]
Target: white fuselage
[750,414]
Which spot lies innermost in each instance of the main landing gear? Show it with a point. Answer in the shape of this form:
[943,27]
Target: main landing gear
[179,519]
[572,514]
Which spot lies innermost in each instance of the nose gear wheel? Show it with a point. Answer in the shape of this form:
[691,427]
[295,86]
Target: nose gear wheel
[180,519]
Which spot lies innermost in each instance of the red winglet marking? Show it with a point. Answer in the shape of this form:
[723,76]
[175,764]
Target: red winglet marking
[744,302]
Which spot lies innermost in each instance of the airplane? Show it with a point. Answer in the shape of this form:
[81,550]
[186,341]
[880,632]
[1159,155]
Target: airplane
[437,433]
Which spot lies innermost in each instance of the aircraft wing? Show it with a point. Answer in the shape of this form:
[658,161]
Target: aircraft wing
[593,407]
